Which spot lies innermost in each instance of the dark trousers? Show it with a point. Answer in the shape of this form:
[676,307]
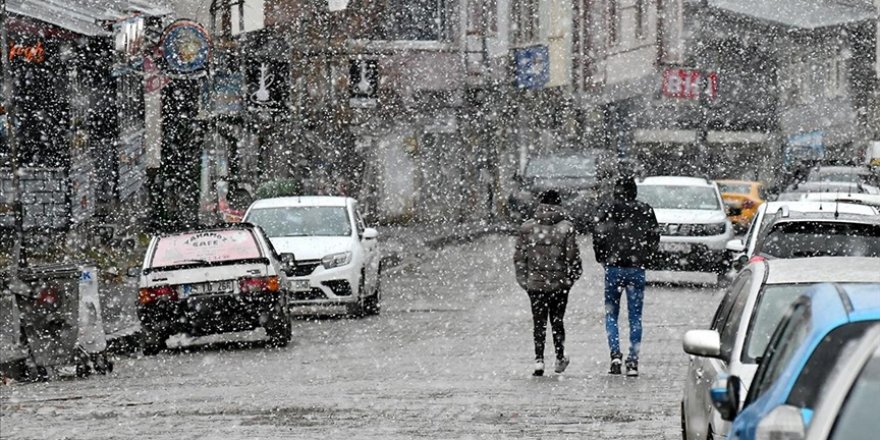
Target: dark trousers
[549,305]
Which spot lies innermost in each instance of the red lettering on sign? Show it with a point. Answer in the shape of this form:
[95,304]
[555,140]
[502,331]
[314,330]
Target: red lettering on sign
[685,84]
[31,54]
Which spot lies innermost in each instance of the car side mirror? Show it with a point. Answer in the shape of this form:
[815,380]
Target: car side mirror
[725,395]
[370,234]
[704,343]
[133,272]
[736,246]
[288,263]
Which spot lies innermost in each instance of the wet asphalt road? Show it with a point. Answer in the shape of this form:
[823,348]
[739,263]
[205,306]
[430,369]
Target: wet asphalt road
[449,357]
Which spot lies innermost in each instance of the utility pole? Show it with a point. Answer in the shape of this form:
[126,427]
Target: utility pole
[18,260]
[702,89]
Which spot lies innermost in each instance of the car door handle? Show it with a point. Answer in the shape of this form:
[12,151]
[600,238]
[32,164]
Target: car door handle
[699,373]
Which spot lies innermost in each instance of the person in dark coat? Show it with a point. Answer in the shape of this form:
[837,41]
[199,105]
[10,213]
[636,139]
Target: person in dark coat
[547,263]
[625,239]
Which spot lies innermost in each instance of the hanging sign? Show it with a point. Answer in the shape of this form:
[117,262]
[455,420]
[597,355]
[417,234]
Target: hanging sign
[186,47]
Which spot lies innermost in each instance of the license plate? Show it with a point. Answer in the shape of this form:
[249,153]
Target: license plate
[675,247]
[300,286]
[210,288]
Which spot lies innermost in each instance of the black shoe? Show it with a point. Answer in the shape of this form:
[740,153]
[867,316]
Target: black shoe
[615,365]
[632,368]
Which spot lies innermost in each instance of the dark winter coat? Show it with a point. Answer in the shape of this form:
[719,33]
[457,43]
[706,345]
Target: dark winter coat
[547,257]
[627,233]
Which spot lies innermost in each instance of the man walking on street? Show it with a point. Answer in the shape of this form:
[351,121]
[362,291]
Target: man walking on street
[547,263]
[626,237]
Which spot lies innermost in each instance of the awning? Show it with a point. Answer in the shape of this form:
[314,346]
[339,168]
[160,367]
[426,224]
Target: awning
[801,14]
[86,17]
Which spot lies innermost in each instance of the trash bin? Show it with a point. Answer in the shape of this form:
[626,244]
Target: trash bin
[61,319]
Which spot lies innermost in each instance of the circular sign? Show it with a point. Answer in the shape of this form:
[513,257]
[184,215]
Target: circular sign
[186,47]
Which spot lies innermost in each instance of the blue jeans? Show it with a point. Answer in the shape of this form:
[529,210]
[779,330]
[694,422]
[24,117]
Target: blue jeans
[633,281]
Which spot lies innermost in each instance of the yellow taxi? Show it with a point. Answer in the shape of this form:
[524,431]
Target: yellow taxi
[742,199]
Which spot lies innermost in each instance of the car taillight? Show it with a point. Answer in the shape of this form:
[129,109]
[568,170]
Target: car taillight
[152,294]
[756,259]
[255,285]
[47,297]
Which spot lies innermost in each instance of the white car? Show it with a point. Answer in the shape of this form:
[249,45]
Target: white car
[743,325]
[213,280]
[694,229]
[337,255]
[744,249]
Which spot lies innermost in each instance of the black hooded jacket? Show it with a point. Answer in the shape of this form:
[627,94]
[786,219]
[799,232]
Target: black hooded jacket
[627,233]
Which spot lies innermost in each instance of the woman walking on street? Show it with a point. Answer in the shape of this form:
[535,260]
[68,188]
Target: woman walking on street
[547,263]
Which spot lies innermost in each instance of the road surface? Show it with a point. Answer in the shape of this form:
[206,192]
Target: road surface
[449,357]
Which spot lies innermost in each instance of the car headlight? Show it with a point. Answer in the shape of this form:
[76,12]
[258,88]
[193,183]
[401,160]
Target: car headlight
[336,260]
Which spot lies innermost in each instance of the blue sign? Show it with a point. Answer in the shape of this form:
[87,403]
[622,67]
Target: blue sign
[804,146]
[186,47]
[532,67]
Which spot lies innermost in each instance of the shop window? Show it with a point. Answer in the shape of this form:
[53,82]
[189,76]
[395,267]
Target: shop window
[415,20]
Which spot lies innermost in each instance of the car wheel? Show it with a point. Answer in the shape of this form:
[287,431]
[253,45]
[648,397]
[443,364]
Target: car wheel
[359,309]
[154,342]
[684,432]
[278,328]
[372,302]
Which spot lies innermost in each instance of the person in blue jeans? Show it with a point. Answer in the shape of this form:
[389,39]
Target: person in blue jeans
[625,239]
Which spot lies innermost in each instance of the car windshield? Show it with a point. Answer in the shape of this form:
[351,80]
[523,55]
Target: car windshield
[858,415]
[735,188]
[302,221]
[679,197]
[205,247]
[801,239]
[772,304]
[562,167]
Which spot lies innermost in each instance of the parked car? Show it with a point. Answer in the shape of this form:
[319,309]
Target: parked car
[861,175]
[214,280]
[846,197]
[741,199]
[872,154]
[832,187]
[846,410]
[793,234]
[337,254]
[743,324]
[573,175]
[743,249]
[694,229]
[787,385]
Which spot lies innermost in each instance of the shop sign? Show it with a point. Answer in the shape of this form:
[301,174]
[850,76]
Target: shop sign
[266,84]
[186,47]
[682,83]
[532,66]
[34,54]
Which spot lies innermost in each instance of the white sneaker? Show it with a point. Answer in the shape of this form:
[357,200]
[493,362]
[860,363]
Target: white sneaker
[562,364]
[539,368]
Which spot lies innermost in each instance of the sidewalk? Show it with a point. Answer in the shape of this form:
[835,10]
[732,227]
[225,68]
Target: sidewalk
[402,245]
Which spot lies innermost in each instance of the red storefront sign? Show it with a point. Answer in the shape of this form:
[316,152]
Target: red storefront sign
[685,83]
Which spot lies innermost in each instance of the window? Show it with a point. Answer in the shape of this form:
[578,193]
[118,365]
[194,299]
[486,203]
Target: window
[641,18]
[740,292]
[525,21]
[415,20]
[769,308]
[787,338]
[302,221]
[807,387]
[720,319]
[804,239]
[207,246]
[857,418]
[613,22]
[679,197]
